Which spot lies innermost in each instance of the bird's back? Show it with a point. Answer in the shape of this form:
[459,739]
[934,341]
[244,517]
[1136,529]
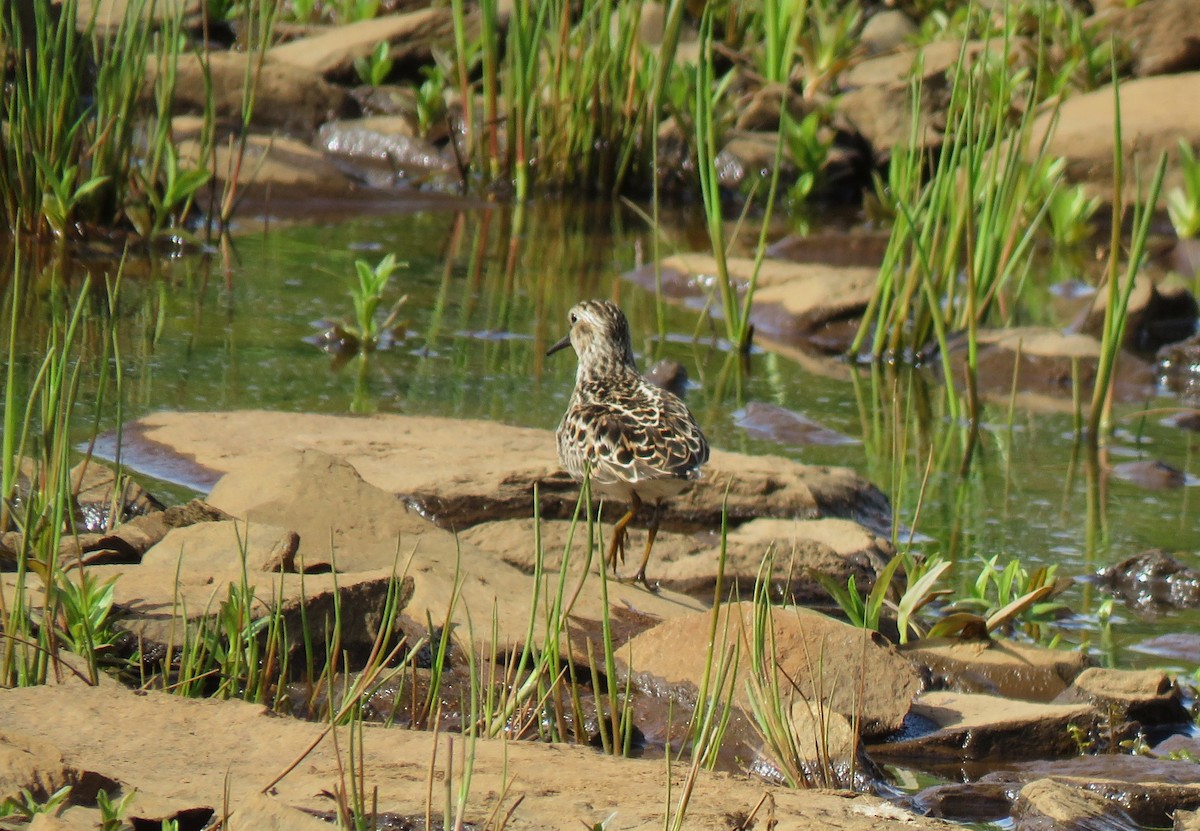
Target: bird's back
[631,436]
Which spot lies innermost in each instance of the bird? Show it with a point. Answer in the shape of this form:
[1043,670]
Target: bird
[635,441]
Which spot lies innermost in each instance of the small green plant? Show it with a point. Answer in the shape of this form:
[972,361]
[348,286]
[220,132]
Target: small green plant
[1001,597]
[85,607]
[1183,203]
[375,68]
[921,578]
[112,814]
[828,44]
[431,102]
[809,150]
[367,295]
[25,806]
[1070,214]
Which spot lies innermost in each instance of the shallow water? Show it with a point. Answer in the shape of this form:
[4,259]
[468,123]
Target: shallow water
[488,291]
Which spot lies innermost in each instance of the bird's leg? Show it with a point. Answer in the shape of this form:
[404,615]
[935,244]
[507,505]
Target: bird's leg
[617,546]
[652,533]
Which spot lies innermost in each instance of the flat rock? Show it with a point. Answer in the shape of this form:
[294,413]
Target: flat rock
[689,563]
[460,473]
[288,97]
[189,754]
[272,166]
[1049,803]
[1163,35]
[792,301]
[974,727]
[339,516]
[362,529]
[1146,789]
[824,658]
[28,762]
[1152,123]
[838,548]
[1003,668]
[1147,696]
[332,52]
[1048,364]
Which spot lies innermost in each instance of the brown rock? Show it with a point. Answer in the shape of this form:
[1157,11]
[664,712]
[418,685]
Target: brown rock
[225,546]
[109,14]
[1049,803]
[28,762]
[1002,668]
[275,167]
[1149,790]
[792,300]
[1186,820]
[688,563]
[370,532]
[1147,696]
[1051,363]
[826,660]
[886,30]
[837,548]
[460,473]
[332,53]
[977,727]
[286,96]
[335,512]
[186,753]
[1163,35]
[1152,123]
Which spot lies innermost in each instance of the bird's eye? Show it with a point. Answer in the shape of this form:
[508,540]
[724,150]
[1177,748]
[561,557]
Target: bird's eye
[574,317]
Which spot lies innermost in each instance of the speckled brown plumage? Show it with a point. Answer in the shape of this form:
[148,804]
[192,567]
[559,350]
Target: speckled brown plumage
[639,442]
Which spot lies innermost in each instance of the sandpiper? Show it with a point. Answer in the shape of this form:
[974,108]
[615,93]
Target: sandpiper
[637,442]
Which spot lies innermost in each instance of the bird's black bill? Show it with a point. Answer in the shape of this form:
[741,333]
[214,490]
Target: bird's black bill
[562,344]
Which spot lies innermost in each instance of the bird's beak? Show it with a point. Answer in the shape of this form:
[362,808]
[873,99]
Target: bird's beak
[562,344]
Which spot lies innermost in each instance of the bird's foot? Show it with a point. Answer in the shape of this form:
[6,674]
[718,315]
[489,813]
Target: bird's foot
[640,577]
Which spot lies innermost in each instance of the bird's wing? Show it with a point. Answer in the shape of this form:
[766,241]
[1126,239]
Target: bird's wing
[654,437]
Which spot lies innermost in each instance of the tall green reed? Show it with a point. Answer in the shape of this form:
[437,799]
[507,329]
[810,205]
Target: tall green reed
[571,102]
[79,151]
[48,609]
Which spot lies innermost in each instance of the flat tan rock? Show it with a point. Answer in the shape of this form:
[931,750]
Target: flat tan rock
[186,753]
[1148,696]
[460,473]
[339,516]
[837,548]
[287,96]
[333,51]
[971,726]
[274,166]
[689,563]
[1152,122]
[1005,668]
[368,535]
[827,660]
[791,298]
[28,762]
[1049,364]
[1050,803]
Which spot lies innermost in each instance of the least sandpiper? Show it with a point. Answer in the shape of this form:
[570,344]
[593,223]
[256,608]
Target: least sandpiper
[637,442]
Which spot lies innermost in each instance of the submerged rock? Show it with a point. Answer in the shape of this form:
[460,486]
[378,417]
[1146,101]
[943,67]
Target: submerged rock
[1154,579]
